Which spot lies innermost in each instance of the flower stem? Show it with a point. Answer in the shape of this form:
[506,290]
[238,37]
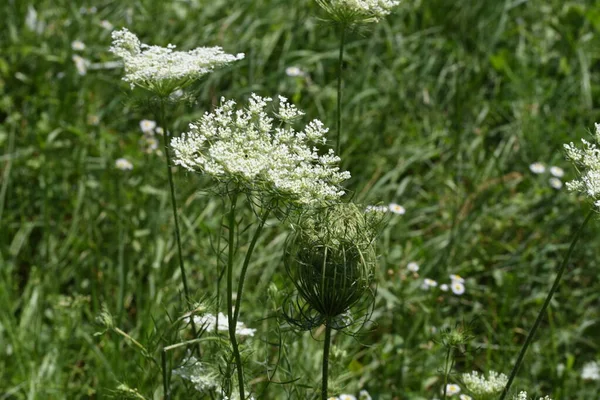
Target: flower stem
[121,254]
[447,372]
[166,389]
[339,89]
[186,292]
[238,299]
[230,318]
[540,315]
[326,346]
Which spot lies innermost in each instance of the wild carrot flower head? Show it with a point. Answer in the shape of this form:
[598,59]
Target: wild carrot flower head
[351,12]
[331,260]
[587,162]
[163,70]
[482,387]
[258,151]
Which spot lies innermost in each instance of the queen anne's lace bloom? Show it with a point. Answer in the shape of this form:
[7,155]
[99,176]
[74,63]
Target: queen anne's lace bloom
[210,322]
[252,150]
[587,162]
[358,11]
[161,69]
[482,387]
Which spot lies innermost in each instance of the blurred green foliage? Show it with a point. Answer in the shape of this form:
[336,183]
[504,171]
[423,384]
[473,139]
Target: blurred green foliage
[446,104]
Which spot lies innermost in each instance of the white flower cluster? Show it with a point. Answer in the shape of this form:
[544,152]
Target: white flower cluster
[591,371]
[523,396]
[193,371]
[363,395]
[392,207]
[482,387]
[358,10]
[209,322]
[248,148]
[161,69]
[587,162]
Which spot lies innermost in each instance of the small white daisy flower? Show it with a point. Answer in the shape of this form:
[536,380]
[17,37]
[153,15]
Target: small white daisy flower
[412,267]
[456,278]
[444,287]
[147,126]
[347,397]
[106,25]
[451,389]
[557,171]
[537,168]
[78,45]
[555,183]
[294,72]
[458,288]
[428,283]
[364,395]
[123,164]
[397,209]
[465,397]
[81,64]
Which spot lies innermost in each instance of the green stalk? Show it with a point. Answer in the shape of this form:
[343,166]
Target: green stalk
[166,389]
[162,122]
[240,290]
[230,318]
[540,315]
[121,264]
[326,346]
[6,175]
[339,89]
[447,371]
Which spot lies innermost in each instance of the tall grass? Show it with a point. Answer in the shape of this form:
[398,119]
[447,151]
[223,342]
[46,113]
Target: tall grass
[445,105]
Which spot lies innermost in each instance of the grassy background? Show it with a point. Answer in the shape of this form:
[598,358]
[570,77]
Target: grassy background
[446,103]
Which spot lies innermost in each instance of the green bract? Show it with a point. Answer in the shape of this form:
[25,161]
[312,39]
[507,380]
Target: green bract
[331,259]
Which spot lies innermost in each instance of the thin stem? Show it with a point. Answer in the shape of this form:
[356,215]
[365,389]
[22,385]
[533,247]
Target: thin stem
[446,372]
[186,292]
[121,264]
[166,390]
[540,315]
[326,346]
[238,299]
[339,89]
[230,319]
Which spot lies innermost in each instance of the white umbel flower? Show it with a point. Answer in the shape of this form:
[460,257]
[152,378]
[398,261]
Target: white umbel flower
[209,322]
[195,372]
[587,162]
[163,70]
[482,387]
[255,152]
[523,396]
[358,11]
